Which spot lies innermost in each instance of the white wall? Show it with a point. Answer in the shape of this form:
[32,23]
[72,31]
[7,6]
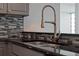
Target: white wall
[77,18]
[32,22]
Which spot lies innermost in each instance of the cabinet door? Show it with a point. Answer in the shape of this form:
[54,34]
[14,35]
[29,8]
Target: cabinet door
[18,8]
[3,8]
[10,49]
[2,49]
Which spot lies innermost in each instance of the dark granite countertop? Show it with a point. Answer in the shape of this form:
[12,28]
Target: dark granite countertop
[62,34]
[69,34]
[45,52]
[70,48]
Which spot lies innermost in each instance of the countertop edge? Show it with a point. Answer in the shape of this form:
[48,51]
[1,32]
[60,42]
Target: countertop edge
[45,52]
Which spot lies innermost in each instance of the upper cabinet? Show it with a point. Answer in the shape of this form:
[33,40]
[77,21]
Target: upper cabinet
[18,8]
[14,8]
[3,8]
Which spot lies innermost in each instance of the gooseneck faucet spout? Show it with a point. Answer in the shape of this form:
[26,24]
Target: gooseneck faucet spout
[54,22]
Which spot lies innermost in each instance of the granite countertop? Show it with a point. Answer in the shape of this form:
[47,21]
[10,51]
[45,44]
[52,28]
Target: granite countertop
[71,34]
[64,50]
[57,50]
[46,51]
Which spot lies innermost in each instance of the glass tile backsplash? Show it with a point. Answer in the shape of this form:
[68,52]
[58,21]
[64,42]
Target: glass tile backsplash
[10,27]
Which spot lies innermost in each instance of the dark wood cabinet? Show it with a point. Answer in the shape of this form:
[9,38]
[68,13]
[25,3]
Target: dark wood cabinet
[14,8]
[2,49]
[18,8]
[3,8]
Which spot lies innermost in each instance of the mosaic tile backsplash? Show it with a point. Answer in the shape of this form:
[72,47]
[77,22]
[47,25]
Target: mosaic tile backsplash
[10,27]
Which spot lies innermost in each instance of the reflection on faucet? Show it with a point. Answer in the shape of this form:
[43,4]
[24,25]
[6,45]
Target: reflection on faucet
[54,23]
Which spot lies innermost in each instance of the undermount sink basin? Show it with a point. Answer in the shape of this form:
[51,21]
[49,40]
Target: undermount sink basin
[51,45]
[43,44]
[38,43]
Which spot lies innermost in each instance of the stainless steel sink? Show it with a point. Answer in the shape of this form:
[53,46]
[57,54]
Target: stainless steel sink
[47,46]
[50,45]
[43,44]
[38,43]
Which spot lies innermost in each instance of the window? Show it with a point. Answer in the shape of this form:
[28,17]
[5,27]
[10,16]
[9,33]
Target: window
[73,22]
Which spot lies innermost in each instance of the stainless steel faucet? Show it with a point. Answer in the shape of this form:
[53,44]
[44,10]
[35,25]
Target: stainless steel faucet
[54,23]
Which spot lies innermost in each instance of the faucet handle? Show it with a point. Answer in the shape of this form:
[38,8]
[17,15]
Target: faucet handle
[50,22]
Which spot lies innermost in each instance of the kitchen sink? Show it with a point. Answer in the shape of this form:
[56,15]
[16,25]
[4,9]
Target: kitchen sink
[44,44]
[38,43]
[50,45]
